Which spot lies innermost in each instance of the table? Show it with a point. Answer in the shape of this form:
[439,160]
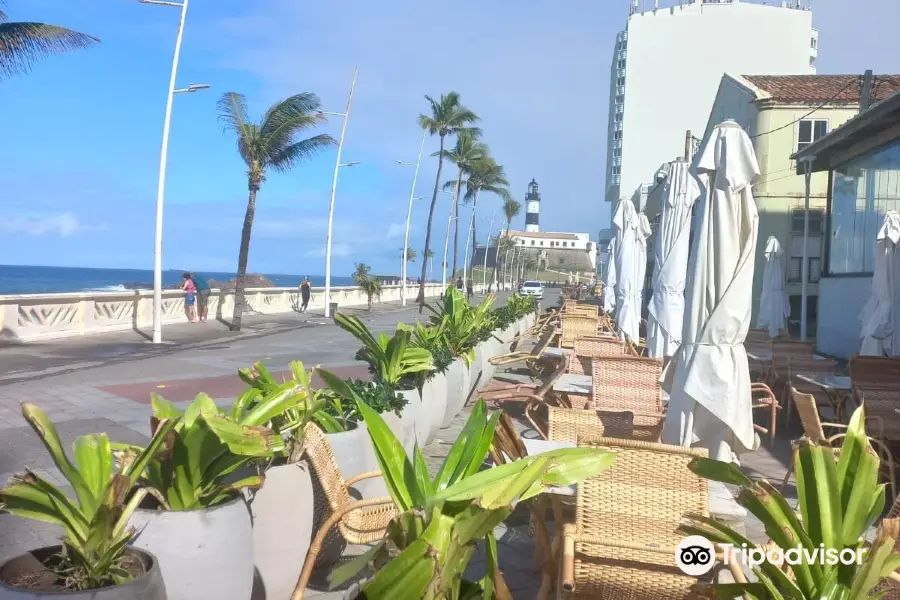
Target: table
[762,354]
[569,383]
[565,352]
[838,387]
[722,507]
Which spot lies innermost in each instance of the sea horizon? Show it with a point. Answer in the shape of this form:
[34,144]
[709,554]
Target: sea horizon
[30,279]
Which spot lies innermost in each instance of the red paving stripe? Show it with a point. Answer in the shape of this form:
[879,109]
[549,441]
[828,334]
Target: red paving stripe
[224,386]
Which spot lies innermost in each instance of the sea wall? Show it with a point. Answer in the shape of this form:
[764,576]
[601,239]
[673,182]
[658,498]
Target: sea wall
[28,317]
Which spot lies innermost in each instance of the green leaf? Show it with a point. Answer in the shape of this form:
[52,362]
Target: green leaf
[716,470]
[405,577]
[348,570]
[94,458]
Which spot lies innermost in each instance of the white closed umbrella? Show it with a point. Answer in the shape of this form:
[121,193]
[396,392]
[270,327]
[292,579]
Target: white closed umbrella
[708,378]
[880,319]
[774,308]
[666,310]
[632,230]
[609,286]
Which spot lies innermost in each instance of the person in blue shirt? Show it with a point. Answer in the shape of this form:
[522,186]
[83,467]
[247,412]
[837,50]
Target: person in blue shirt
[202,296]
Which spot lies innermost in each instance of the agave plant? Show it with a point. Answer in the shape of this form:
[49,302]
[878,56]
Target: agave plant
[95,523]
[839,498]
[204,447]
[392,360]
[429,544]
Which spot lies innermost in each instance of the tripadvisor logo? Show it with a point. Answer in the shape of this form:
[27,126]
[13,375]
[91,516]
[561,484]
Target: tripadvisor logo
[696,555]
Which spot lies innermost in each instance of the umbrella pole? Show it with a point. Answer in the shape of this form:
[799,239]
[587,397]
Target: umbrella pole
[804,267]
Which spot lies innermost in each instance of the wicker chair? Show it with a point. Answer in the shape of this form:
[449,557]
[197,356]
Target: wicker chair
[590,310]
[782,352]
[569,425]
[804,366]
[589,347]
[876,383]
[359,522]
[624,536]
[575,326]
[814,430]
[627,383]
[539,366]
[764,398]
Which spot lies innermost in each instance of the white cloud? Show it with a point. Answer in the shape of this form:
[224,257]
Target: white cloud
[61,224]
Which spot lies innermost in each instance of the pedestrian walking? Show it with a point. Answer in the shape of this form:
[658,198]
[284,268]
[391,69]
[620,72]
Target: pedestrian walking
[469,289]
[305,292]
[190,297]
[459,284]
[203,292]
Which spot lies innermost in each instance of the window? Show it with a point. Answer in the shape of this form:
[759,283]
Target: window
[617,152]
[532,242]
[810,130]
[617,170]
[816,218]
[795,275]
[863,190]
[813,43]
[617,135]
[542,242]
[621,63]
[618,117]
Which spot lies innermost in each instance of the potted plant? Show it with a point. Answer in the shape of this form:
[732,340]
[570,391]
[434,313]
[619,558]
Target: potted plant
[428,546]
[396,363]
[94,560]
[454,314]
[839,498]
[434,384]
[195,519]
[282,509]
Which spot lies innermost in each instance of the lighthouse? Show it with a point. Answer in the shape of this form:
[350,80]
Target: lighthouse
[532,207]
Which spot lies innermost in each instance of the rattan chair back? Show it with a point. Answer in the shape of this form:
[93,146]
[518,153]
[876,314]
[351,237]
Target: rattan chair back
[592,346]
[627,383]
[591,310]
[809,415]
[570,425]
[575,326]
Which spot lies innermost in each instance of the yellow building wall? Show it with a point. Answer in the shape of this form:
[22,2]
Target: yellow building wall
[779,190]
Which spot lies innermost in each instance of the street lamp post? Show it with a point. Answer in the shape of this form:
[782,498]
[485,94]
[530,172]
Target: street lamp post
[412,194]
[446,245]
[466,254]
[163,154]
[487,247]
[404,260]
[337,168]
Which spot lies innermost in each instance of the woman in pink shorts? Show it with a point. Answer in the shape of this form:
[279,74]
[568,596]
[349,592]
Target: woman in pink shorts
[190,297]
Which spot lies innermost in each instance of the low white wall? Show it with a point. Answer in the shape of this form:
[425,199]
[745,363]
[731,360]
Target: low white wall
[46,316]
[841,300]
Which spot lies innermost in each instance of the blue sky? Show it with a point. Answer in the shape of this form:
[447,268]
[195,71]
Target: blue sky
[81,133]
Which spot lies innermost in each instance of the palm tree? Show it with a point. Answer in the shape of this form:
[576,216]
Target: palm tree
[467,152]
[21,44]
[447,117]
[502,244]
[485,176]
[511,210]
[429,254]
[270,144]
[370,287]
[410,254]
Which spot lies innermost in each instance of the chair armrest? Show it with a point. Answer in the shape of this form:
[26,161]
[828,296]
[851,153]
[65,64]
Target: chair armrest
[357,478]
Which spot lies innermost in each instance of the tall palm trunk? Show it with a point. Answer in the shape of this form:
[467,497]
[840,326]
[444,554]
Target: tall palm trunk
[437,182]
[456,218]
[243,254]
[497,255]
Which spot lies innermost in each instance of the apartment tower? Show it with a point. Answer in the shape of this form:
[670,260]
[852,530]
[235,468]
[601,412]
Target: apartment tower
[666,69]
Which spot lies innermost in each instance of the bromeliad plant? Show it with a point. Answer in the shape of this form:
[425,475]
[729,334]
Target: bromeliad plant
[95,524]
[293,404]
[457,320]
[429,544]
[392,360]
[520,305]
[203,448]
[839,499]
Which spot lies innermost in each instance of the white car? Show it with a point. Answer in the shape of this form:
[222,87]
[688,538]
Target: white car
[533,288]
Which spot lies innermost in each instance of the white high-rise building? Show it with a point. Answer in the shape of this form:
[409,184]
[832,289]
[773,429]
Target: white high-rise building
[667,66]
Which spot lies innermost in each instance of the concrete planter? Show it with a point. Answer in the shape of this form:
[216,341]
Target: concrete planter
[416,420]
[489,349]
[148,586]
[434,403]
[354,454]
[457,377]
[475,379]
[282,511]
[204,553]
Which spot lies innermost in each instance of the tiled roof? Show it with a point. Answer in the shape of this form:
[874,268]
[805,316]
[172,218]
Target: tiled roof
[555,236]
[816,89]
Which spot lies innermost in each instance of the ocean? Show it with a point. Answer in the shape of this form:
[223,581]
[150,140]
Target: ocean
[47,280]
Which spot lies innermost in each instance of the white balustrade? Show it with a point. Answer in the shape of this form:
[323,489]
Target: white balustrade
[28,317]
